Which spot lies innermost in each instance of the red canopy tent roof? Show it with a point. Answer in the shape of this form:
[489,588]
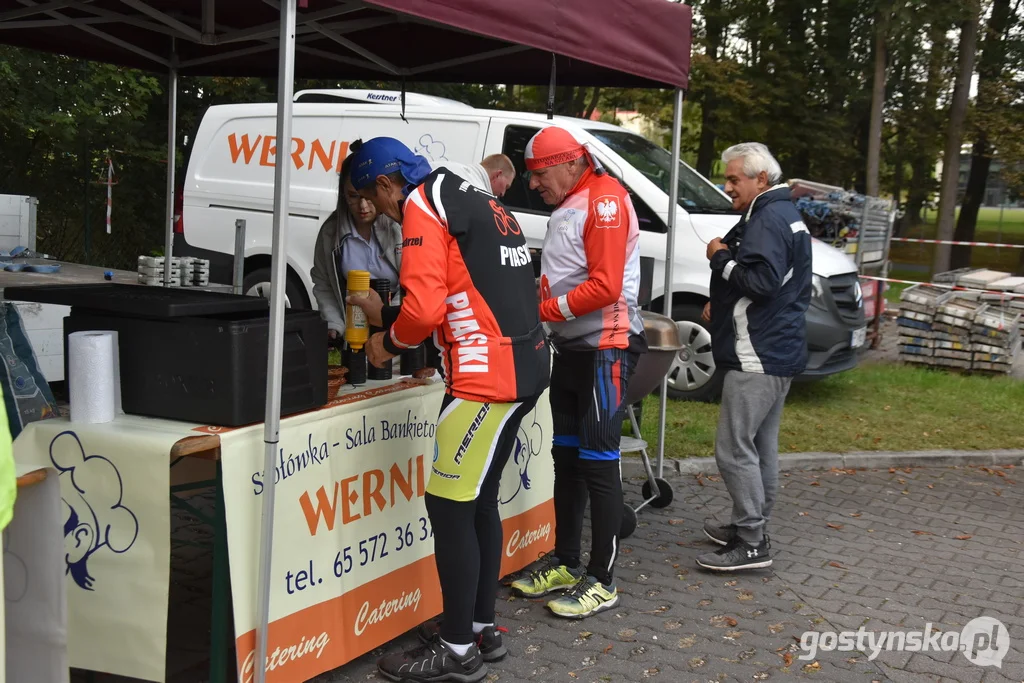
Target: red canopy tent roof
[624,43]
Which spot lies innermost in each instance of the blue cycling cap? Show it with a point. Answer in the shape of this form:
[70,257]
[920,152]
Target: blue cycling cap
[383,156]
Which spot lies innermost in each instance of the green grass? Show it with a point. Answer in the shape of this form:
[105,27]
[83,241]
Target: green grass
[892,294]
[875,407]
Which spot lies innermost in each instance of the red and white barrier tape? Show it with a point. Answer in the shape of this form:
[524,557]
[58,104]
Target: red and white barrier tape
[1002,294]
[110,185]
[915,240]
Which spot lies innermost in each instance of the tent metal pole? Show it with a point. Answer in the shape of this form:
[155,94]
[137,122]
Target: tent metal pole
[172,134]
[272,419]
[670,250]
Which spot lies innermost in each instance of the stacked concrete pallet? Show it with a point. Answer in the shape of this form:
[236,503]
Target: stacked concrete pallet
[915,322]
[954,321]
[1007,294]
[995,340]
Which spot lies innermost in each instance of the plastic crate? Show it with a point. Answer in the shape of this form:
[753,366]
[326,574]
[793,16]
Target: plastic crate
[212,369]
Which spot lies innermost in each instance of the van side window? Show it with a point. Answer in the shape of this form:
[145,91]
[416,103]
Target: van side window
[647,219]
[519,196]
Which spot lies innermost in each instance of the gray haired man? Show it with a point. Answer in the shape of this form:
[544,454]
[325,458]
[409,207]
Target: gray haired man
[760,290]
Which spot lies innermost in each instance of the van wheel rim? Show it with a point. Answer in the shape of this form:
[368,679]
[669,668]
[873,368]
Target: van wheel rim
[694,365]
[262,290]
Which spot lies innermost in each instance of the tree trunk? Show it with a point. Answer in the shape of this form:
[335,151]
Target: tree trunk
[974,195]
[954,136]
[990,66]
[877,99]
[920,133]
[898,171]
[595,96]
[578,101]
[713,24]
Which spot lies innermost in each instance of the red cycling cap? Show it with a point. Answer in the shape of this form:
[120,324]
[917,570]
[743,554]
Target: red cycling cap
[552,146]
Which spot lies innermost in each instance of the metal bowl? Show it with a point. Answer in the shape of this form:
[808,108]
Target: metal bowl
[662,332]
[663,343]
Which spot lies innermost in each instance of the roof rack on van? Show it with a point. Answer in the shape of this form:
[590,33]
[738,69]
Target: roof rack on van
[357,96]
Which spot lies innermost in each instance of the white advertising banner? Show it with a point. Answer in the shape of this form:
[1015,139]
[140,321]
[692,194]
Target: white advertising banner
[115,520]
[353,563]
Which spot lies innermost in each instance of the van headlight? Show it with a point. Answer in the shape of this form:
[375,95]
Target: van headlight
[817,292]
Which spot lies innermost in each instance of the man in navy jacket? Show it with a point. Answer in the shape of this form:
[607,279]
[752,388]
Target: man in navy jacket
[760,290]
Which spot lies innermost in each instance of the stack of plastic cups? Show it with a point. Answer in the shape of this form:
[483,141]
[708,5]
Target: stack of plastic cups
[383,287]
[412,360]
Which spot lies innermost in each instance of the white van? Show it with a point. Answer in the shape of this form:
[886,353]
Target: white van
[230,176]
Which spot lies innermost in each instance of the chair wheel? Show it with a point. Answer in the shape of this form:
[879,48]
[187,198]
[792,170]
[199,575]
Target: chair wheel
[628,525]
[665,493]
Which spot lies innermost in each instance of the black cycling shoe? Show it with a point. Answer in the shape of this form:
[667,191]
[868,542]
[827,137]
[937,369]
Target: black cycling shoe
[489,640]
[433,662]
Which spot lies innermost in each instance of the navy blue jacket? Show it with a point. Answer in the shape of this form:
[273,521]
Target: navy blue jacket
[760,289]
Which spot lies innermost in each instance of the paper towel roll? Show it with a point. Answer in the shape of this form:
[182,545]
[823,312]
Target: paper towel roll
[94,378]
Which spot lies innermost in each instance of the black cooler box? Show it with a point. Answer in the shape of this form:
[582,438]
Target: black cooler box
[194,355]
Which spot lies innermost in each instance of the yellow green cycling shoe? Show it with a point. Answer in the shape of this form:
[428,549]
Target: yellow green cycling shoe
[550,578]
[588,596]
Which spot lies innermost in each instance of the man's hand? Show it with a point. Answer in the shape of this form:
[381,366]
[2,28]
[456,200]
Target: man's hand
[371,304]
[422,376]
[375,351]
[715,245]
[332,334]
[706,314]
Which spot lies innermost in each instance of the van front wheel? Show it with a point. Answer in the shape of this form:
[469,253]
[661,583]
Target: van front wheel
[257,283]
[693,376]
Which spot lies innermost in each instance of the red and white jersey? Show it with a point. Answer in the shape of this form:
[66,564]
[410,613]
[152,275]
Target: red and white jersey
[590,268]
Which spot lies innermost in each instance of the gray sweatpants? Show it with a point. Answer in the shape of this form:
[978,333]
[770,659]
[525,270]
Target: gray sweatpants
[747,447]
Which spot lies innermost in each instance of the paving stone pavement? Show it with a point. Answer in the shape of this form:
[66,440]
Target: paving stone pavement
[889,550]
[854,548]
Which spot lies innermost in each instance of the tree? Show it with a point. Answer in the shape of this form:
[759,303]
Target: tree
[715,25]
[920,117]
[883,14]
[955,132]
[991,66]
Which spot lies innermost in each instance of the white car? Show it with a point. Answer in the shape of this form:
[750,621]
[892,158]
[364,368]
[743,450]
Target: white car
[230,176]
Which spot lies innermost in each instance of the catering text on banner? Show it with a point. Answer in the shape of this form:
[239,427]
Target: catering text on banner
[353,561]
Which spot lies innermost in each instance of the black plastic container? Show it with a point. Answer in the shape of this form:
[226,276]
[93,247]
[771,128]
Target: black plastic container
[139,300]
[211,369]
[412,360]
[357,367]
[383,287]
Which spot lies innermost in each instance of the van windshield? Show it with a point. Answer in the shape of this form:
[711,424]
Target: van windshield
[696,195]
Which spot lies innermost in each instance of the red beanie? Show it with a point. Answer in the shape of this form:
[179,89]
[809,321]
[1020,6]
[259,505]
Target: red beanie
[552,146]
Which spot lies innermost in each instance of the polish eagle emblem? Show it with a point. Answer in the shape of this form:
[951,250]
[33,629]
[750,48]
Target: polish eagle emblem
[607,209]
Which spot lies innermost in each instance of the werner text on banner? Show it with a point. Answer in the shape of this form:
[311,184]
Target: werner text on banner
[353,560]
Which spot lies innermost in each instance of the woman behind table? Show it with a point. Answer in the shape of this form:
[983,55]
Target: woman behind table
[354,237]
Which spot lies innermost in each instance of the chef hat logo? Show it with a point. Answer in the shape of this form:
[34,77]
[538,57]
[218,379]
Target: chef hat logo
[528,444]
[94,516]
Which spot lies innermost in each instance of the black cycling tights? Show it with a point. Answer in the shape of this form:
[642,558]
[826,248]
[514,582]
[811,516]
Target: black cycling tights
[468,543]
